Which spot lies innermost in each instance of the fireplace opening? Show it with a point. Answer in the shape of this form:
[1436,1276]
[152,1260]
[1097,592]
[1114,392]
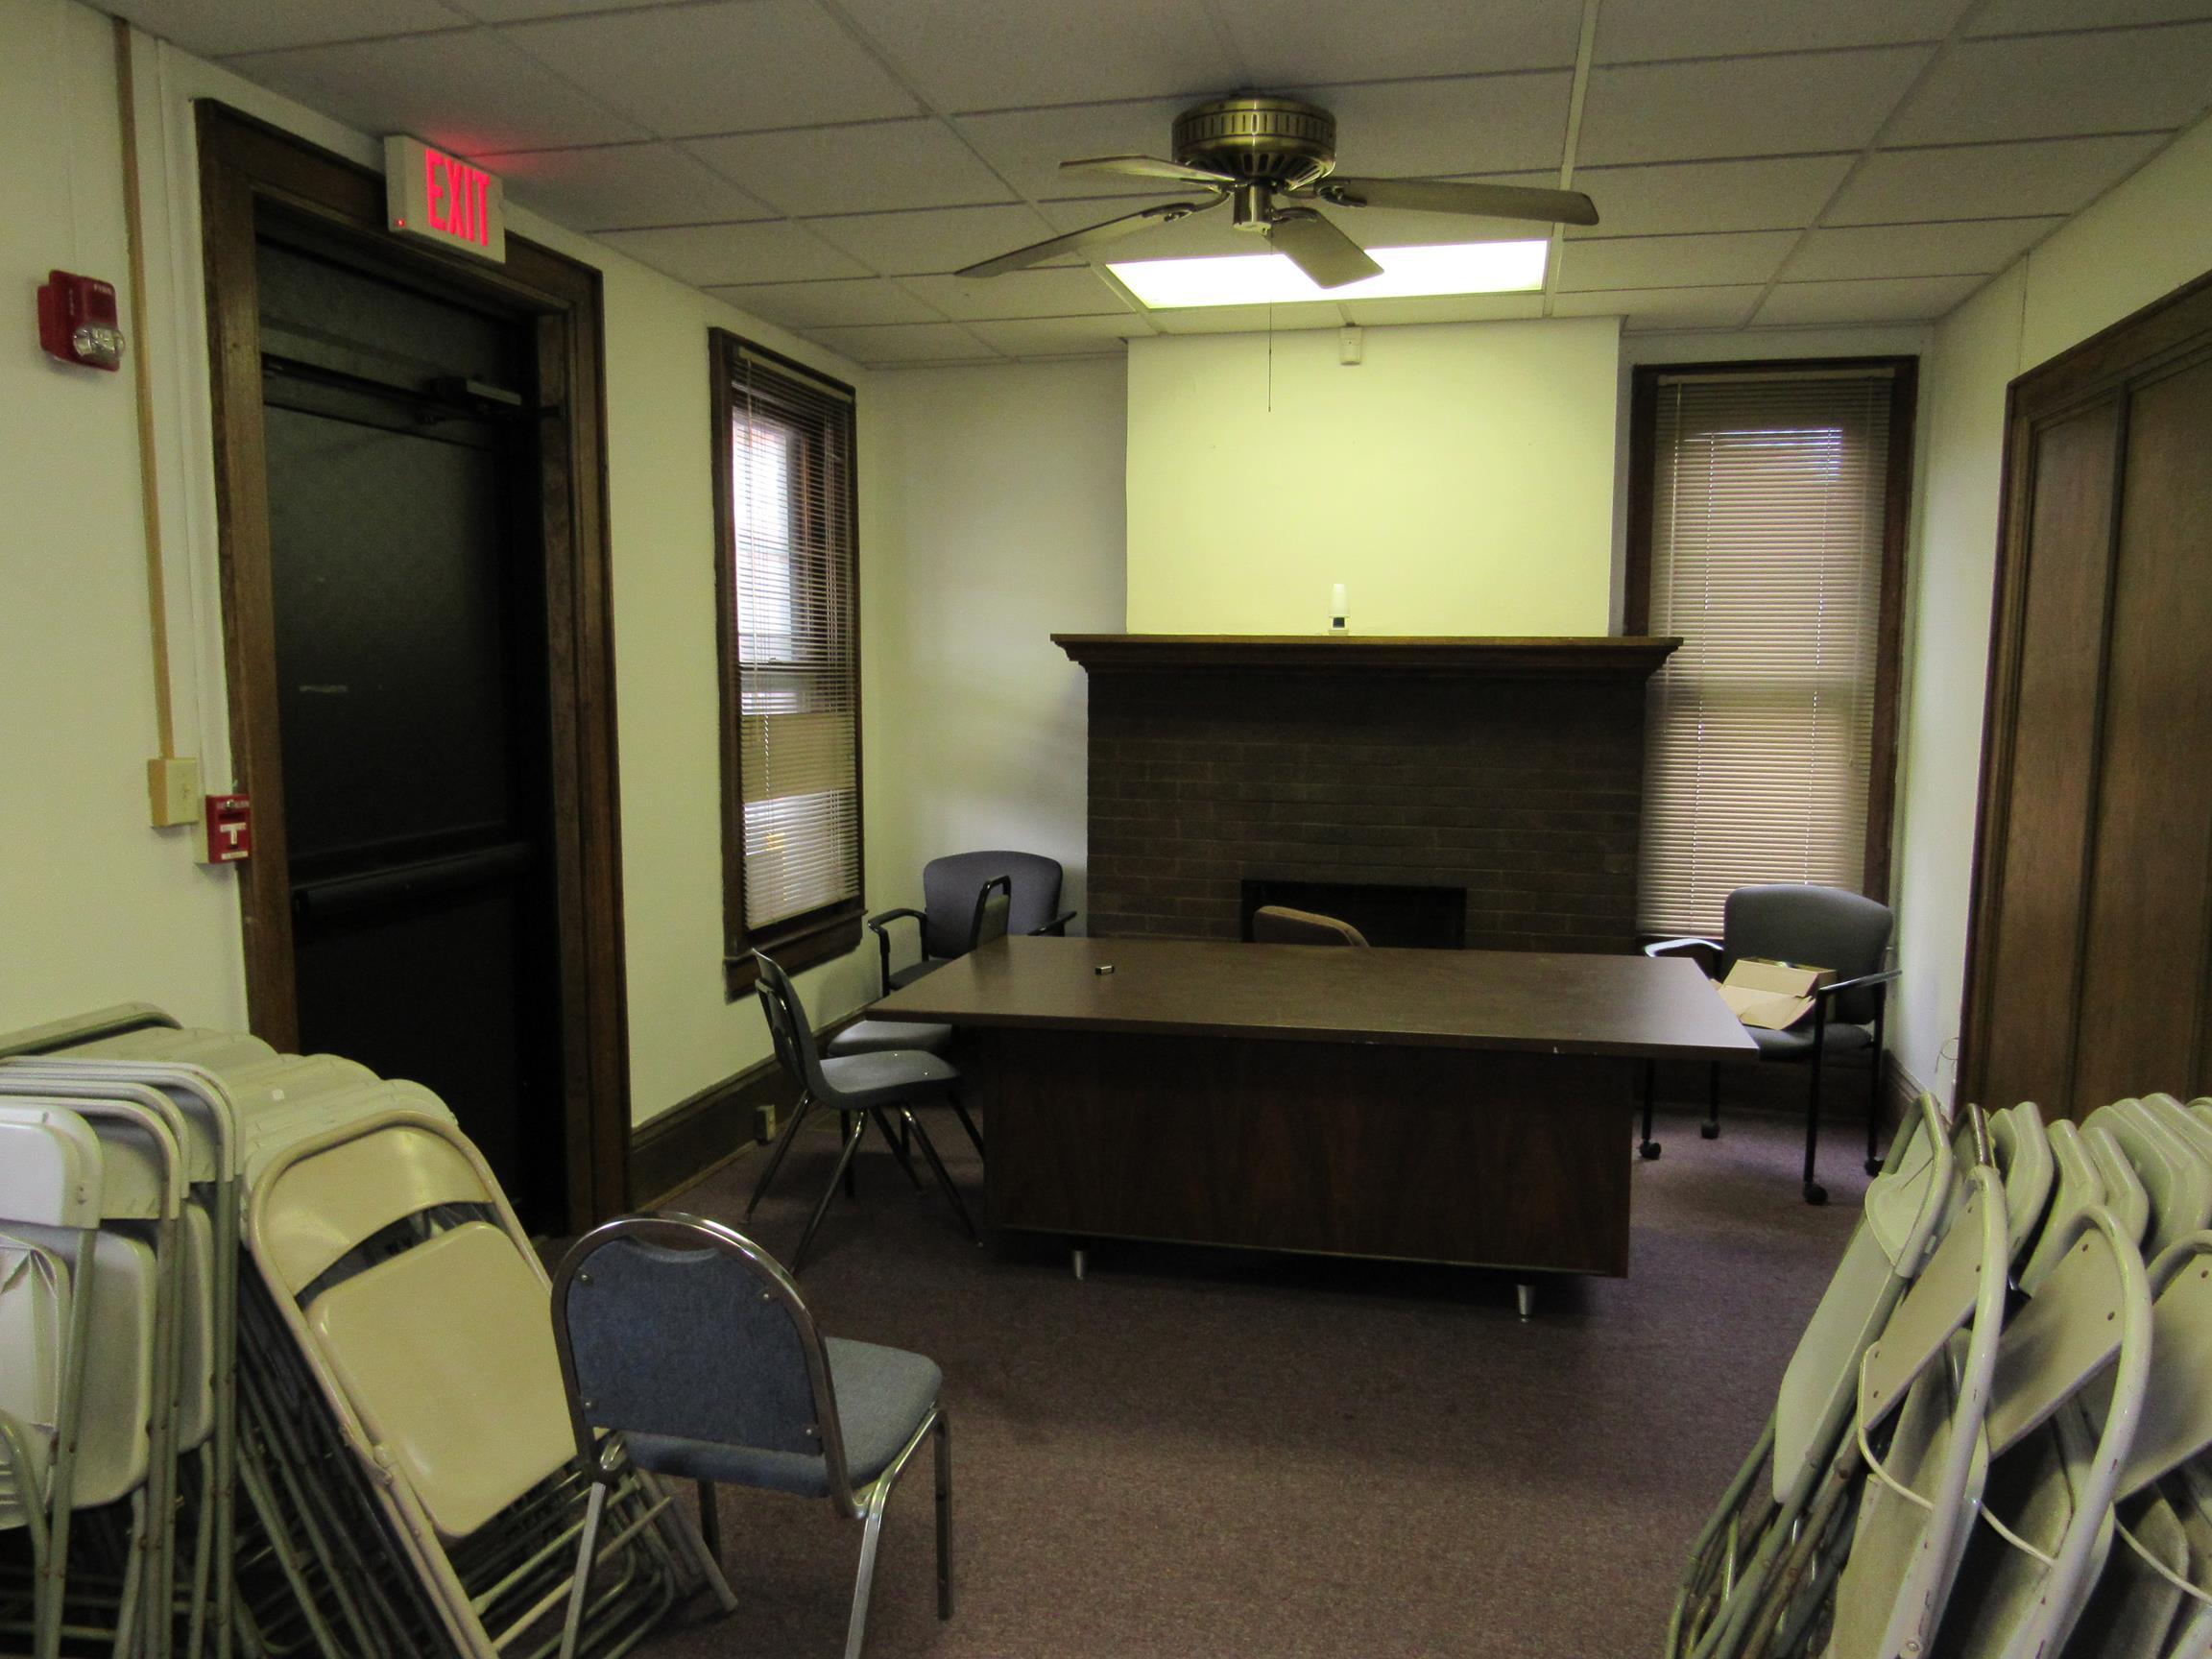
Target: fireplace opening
[1417,918]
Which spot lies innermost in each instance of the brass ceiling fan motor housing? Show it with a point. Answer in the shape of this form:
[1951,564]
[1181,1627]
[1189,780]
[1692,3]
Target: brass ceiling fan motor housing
[1259,139]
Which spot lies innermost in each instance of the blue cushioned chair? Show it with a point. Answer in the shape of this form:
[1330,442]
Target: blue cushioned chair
[1822,928]
[691,1349]
[954,889]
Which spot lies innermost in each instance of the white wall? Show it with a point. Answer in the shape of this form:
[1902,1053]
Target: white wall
[1004,527]
[99,908]
[1457,481]
[2140,242]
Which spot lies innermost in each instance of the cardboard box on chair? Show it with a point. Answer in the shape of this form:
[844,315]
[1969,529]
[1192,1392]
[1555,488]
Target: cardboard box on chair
[1773,996]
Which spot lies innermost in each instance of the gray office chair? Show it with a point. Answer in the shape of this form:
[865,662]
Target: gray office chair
[860,1089]
[994,904]
[692,1350]
[952,896]
[1822,928]
[1280,924]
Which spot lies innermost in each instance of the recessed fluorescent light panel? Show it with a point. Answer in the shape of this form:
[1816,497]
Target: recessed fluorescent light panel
[1270,279]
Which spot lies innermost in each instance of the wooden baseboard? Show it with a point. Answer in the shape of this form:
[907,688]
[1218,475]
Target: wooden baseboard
[691,1141]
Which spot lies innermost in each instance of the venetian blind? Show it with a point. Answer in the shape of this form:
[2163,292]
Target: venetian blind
[1766,538]
[796,647]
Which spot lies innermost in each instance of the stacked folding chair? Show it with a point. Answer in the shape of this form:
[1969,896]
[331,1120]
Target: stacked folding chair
[276,1371]
[2024,1469]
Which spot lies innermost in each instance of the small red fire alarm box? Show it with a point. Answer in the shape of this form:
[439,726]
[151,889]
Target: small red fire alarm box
[77,321]
[228,830]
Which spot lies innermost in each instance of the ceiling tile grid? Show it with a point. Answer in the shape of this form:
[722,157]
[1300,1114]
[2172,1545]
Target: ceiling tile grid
[828,164]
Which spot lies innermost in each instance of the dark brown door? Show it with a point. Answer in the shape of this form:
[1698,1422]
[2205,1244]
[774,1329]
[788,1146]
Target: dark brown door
[2091,956]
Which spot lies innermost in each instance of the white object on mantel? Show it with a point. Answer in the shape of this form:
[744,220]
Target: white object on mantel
[1337,612]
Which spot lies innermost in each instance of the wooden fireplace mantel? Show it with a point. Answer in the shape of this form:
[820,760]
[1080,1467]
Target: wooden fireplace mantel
[1580,658]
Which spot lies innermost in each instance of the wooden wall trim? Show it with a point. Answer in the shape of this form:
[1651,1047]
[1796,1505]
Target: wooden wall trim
[676,1150]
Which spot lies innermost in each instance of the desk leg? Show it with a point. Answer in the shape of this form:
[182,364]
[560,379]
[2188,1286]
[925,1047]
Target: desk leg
[1525,1293]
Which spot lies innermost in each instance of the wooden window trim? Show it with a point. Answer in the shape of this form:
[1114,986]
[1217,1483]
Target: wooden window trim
[817,935]
[1896,529]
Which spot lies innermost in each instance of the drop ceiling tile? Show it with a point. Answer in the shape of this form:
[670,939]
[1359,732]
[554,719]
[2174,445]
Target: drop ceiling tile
[1247,319]
[214,29]
[523,10]
[1647,31]
[1060,336]
[2061,85]
[1299,42]
[624,186]
[1078,292]
[1433,128]
[839,302]
[465,91]
[931,240]
[737,67]
[2028,16]
[1645,310]
[1446,308]
[1986,180]
[1674,261]
[855,169]
[1798,104]
[905,342]
[962,56]
[1026,146]
[1678,197]
[1957,246]
[773,251]
[1894,300]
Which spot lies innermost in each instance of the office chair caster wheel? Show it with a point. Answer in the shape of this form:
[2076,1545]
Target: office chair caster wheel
[1649,1149]
[1710,1131]
[1873,1165]
[1815,1193]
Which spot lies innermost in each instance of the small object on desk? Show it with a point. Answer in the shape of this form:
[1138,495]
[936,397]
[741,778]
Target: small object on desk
[1103,968]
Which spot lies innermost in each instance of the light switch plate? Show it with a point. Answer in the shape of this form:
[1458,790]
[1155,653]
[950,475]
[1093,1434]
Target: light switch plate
[173,790]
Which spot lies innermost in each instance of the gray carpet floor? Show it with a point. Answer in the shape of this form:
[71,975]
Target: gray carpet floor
[1199,1452]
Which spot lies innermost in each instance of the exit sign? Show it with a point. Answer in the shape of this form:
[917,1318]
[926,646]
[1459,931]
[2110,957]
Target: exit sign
[443,199]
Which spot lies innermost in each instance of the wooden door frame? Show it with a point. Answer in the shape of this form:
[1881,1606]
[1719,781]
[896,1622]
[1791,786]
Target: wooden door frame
[2162,337]
[245,164]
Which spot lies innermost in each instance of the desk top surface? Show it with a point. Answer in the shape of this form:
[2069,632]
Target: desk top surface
[1562,1003]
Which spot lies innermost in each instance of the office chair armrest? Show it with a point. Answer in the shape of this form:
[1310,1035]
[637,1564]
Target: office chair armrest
[1057,927]
[1673,946]
[1863,982]
[879,925]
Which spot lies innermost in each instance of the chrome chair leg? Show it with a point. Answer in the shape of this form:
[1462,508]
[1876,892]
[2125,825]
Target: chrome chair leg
[943,1460]
[864,1584]
[582,1584]
[709,1519]
[943,1179]
[851,1131]
[777,1152]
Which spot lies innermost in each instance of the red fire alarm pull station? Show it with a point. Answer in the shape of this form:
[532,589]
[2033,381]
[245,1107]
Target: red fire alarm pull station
[77,321]
[228,830]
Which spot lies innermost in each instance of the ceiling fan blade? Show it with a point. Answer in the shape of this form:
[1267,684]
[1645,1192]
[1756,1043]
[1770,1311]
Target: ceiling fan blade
[1091,236]
[1486,201]
[1146,167]
[1319,249]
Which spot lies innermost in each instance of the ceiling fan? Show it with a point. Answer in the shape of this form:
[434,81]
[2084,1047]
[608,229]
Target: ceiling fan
[1255,152]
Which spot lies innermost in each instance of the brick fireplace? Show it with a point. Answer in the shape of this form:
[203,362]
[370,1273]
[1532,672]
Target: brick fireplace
[1508,769]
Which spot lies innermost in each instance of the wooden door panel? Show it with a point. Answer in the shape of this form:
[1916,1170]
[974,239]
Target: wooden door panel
[2144,941]
[2028,1047]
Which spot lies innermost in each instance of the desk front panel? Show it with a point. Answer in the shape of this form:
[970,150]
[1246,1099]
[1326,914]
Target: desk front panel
[1427,1154]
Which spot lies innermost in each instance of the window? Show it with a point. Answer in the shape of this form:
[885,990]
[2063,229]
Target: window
[788,576]
[1767,524]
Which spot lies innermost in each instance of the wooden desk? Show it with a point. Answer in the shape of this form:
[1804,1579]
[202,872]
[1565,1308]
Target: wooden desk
[1469,1107]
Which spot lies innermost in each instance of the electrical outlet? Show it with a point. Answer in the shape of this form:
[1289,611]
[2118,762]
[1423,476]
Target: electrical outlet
[173,790]
[765,1121]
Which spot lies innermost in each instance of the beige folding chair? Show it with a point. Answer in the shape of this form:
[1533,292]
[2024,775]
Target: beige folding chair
[437,1360]
[2178,1182]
